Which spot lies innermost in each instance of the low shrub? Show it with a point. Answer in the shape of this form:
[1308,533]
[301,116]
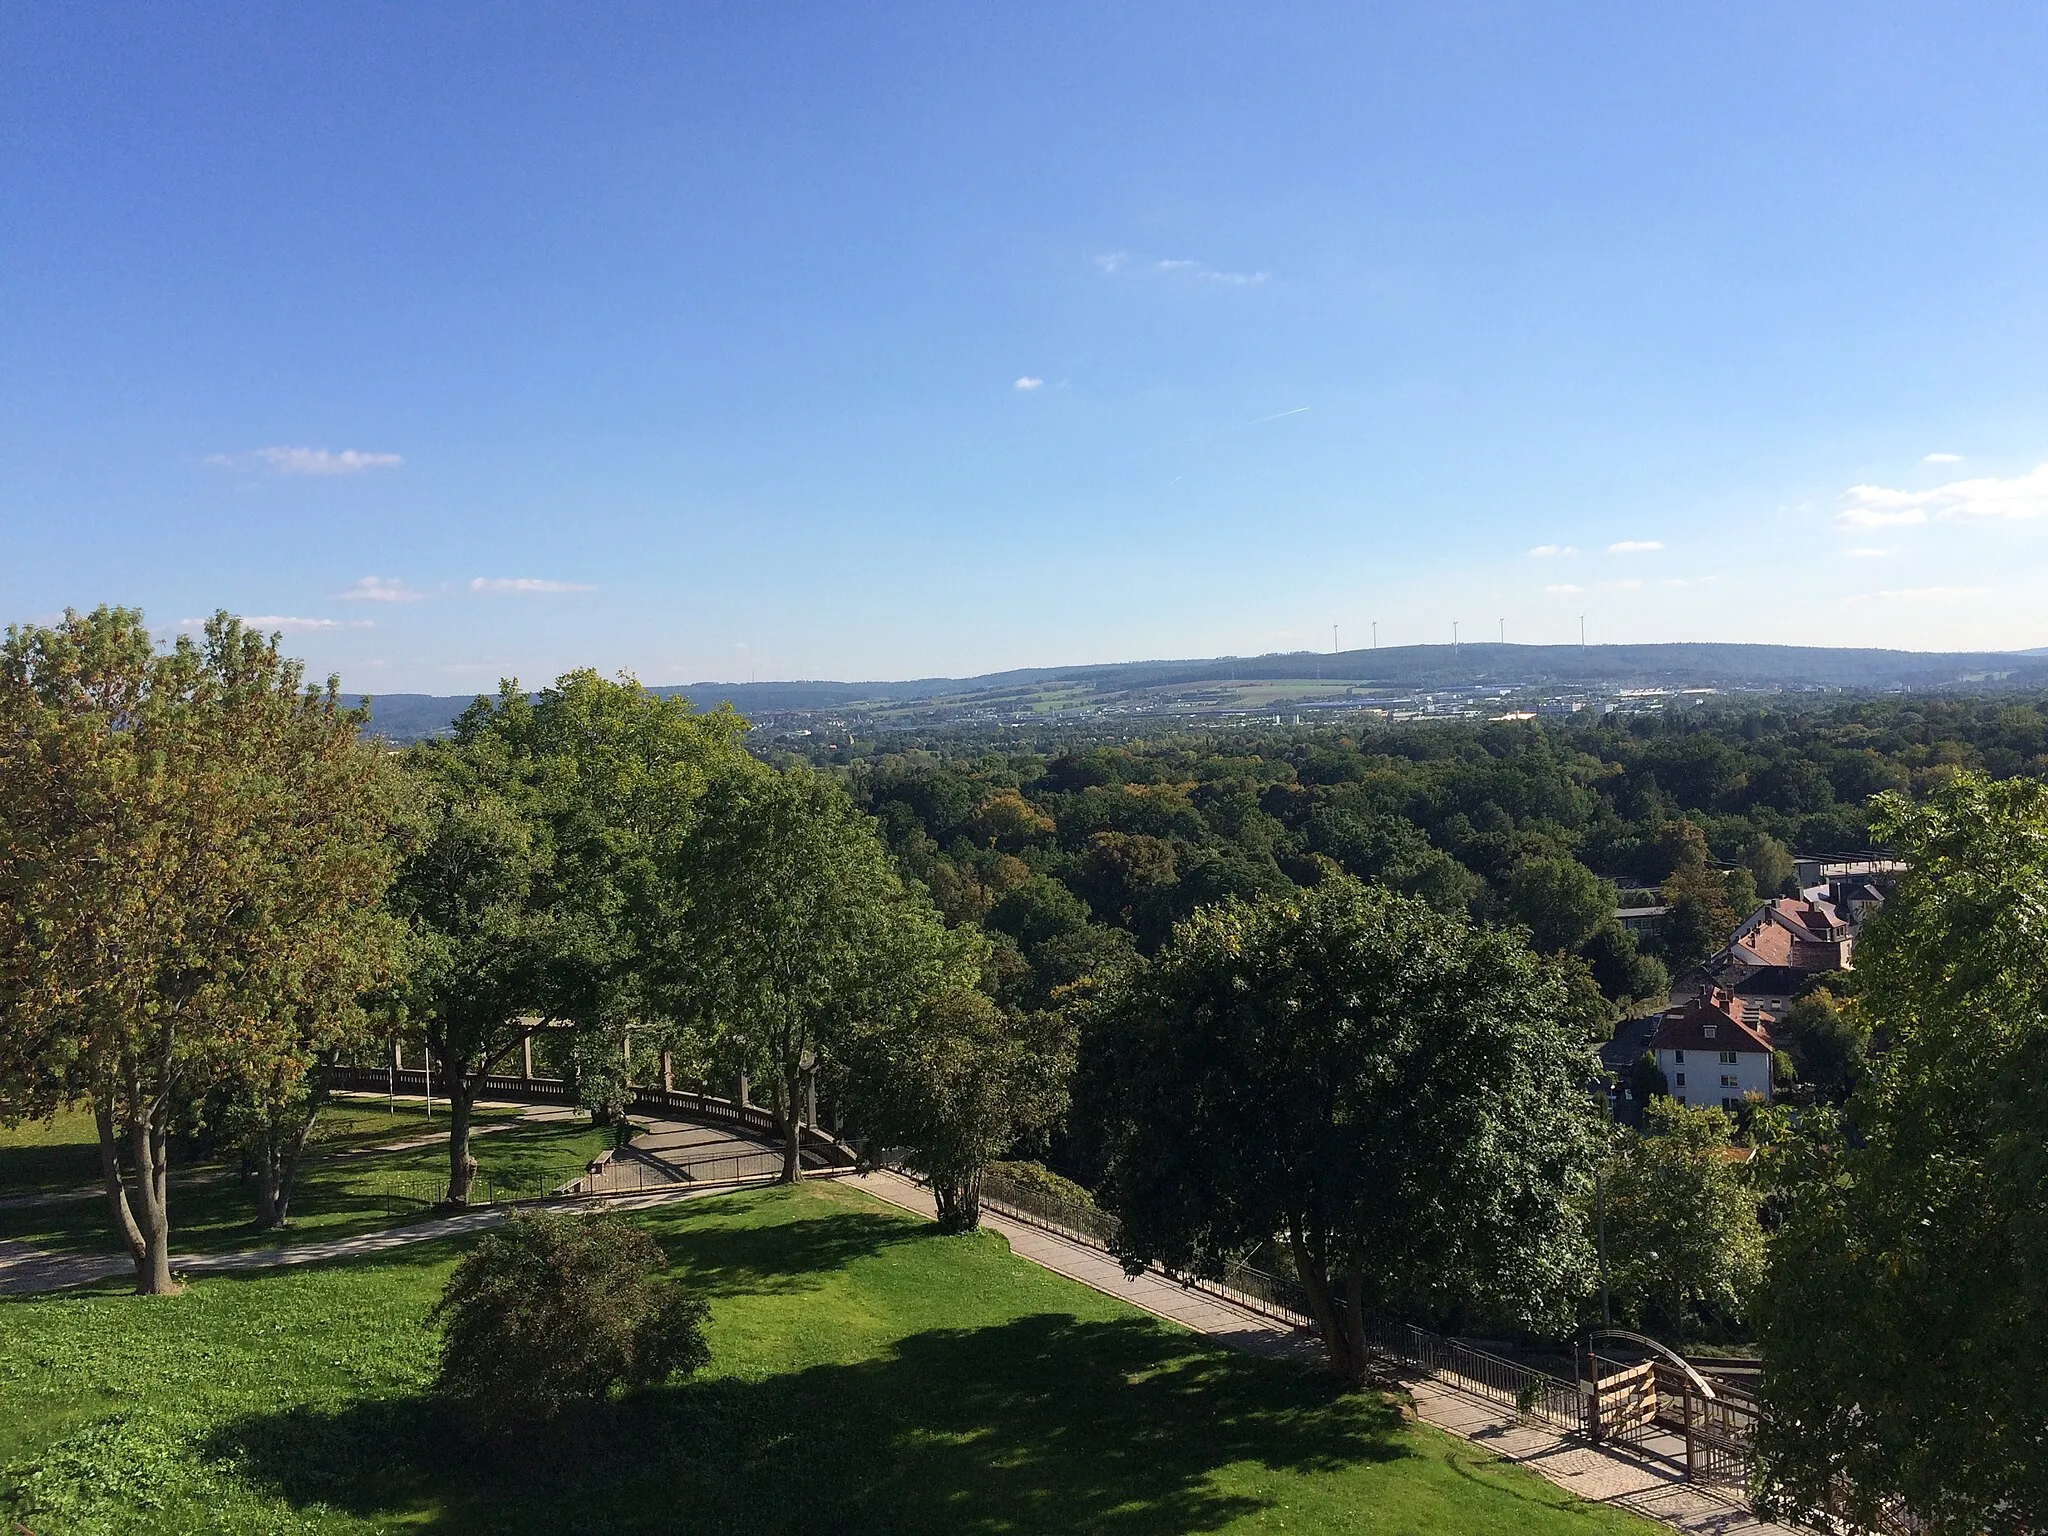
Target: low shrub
[551,1311]
[1042,1179]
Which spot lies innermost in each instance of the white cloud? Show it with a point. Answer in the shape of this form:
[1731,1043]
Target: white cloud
[267,622]
[1113,262]
[1564,588]
[1545,551]
[1873,517]
[1634,546]
[306,461]
[1028,383]
[526,584]
[1942,458]
[1866,552]
[380,589]
[2014,498]
[1209,274]
[1921,594]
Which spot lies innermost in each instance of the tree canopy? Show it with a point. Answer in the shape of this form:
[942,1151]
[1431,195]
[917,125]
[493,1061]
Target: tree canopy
[1907,1291]
[194,851]
[1398,1096]
[1684,1246]
[801,929]
[544,887]
[955,1082]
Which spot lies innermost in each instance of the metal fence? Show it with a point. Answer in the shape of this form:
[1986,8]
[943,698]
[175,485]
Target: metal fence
[484,1189]
[819,1149]
[1538,1394]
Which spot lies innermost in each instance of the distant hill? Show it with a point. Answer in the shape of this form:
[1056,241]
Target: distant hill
[1394,669]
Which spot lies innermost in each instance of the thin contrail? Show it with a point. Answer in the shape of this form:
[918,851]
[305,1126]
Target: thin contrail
[1224,431]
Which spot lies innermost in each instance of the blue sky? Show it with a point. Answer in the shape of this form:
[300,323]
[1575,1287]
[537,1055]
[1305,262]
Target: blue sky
[893,340]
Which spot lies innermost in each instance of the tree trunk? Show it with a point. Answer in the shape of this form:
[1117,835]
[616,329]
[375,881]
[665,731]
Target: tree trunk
[461,1167]
[791,1127]
[958,1201]
[141,1217]
[278,1168]
[1316,1281]
[1354,1318]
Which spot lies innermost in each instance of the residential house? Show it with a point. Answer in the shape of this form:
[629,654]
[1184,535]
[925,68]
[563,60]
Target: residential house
[1856,897]
[1790,931]
[1715,1050]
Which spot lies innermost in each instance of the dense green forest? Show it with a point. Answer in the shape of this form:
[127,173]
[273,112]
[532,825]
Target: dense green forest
[1076,850]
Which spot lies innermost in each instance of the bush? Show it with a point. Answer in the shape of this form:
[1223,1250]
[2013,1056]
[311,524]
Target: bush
[554,1310]
[1041,1178]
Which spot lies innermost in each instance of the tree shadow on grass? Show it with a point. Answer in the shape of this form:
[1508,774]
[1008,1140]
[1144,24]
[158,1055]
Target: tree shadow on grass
[1047,1423]
[789,1256]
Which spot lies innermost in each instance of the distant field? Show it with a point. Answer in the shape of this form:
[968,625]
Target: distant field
[868,1376]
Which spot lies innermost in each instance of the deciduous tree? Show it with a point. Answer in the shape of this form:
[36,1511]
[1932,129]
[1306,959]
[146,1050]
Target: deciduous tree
[801,928]
[1683,1244]
[544,885]
[1907,1294]
[1396,1095]
[955,1081]
[194,851]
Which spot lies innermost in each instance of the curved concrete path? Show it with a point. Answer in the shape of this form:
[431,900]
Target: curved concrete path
[665,1174]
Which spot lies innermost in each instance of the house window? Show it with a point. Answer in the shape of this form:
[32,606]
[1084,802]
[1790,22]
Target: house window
[1731,1105]
[1681,1098]
[1708,1031]
[1681,1080]
[1728,1080]
[1681,1058]
[1727,1058]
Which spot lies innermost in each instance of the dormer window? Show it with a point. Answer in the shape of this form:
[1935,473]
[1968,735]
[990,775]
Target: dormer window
[1708,1031]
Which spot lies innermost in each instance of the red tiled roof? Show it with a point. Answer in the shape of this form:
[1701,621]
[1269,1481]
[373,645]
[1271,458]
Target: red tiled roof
[1685,1029]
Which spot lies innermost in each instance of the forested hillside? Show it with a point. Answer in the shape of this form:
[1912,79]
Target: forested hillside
[1076,852]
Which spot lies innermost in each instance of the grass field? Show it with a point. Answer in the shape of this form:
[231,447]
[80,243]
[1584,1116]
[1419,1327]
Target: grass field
[342,1188]
[868,1376]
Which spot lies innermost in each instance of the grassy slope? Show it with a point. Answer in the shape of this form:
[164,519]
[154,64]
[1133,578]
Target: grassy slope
[342,1189]
[868,1376]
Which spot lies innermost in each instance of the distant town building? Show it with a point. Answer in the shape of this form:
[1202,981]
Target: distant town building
[1790,931]
[1715,1050]
[1817,870]
[1640,921]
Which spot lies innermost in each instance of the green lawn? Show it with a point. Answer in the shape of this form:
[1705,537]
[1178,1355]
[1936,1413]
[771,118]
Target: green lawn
[868,1376]
[342,1188]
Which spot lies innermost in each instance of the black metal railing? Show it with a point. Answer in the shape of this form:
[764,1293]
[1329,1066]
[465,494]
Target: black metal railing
[683,1103]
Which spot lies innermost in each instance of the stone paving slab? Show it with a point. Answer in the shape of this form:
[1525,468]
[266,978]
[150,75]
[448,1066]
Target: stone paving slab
[1595,1474]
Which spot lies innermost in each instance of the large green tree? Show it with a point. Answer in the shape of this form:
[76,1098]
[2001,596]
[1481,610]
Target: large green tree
[1400,1097]
[1906,1304]
[801,929]
[1684,1246]
[955,1081]
[545,884]
[1562,902]
[1828,1043]
[194,851]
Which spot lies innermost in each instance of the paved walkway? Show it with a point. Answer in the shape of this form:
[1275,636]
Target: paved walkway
[188,1179]
[626,1184]
[1597,1475]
